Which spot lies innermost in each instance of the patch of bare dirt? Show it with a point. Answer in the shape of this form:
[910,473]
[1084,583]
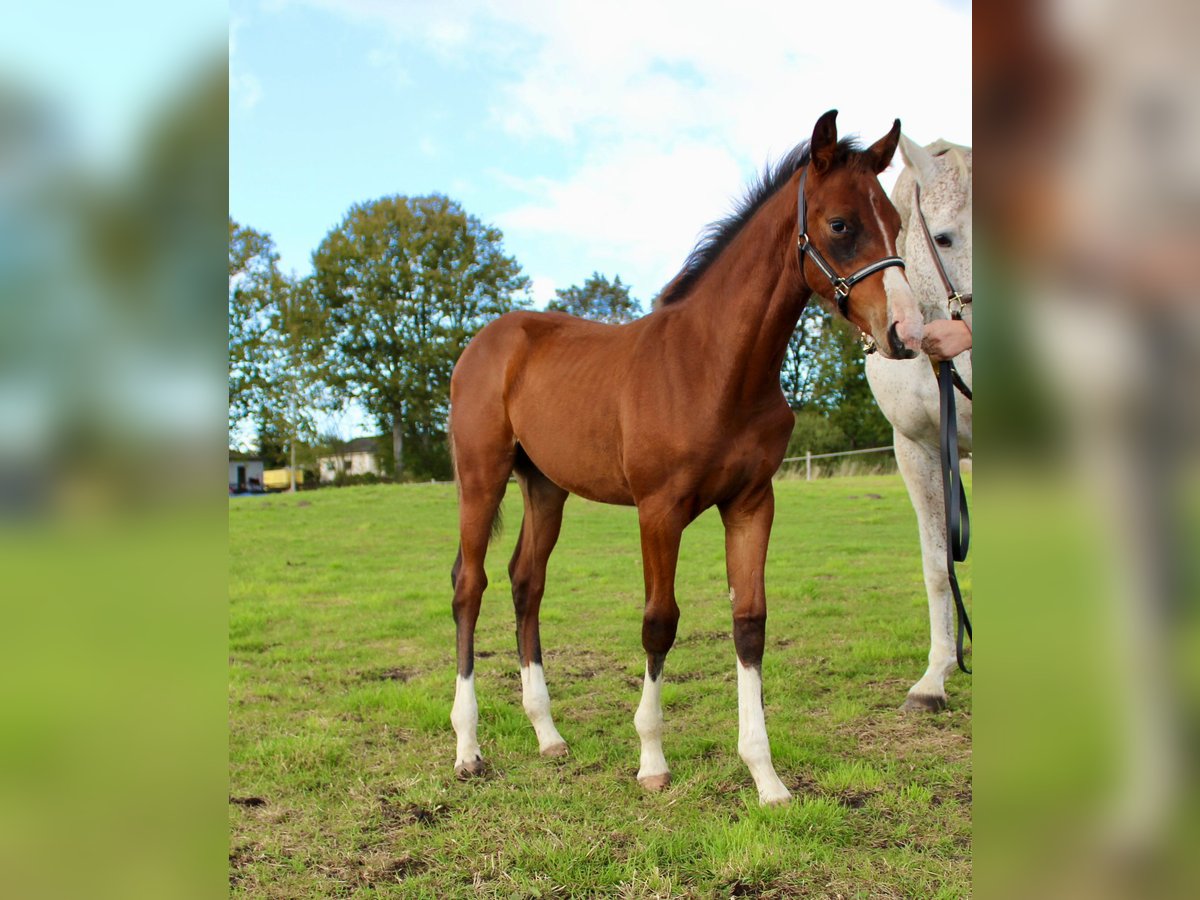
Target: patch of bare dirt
[247,801]
[412,813]
[899,736]
[380,867]
[702,637]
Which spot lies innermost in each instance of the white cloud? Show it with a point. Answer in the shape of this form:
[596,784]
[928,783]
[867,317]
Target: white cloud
[245,90]
[541,288]
[635,206]
[668,106]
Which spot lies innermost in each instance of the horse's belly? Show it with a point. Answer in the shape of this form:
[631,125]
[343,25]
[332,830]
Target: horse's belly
[580,470]
[576,448]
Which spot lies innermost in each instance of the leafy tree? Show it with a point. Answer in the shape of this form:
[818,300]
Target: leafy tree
[405,283]
[254,284]
[272,445]
[824,377]
[599,299]
[275,351]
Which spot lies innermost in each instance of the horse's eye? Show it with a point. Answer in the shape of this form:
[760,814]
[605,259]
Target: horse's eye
[944,240]
[837,226]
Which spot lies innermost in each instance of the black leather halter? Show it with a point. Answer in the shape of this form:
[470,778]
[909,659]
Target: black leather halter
[841,286]
[954,299]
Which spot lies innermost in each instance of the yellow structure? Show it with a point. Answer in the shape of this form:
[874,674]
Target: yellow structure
[281,479]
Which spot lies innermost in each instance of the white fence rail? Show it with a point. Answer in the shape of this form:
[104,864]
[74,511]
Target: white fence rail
[809,456]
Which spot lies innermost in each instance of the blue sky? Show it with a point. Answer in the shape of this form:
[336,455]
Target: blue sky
[598,137]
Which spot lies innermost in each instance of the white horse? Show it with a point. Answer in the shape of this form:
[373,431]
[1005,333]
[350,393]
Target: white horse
[907,390]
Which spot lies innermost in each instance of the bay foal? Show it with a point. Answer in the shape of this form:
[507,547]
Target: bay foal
[673,413]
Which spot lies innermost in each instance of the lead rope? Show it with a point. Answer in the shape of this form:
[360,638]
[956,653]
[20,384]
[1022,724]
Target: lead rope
[954,495]
[958,520]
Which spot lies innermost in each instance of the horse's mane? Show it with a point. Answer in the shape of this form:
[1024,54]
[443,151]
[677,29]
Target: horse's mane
[717,236]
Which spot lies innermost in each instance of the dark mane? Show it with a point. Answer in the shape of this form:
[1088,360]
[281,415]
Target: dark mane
[720,234]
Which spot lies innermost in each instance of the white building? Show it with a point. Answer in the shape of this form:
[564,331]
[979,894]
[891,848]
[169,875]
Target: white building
[245,473]
[357,457]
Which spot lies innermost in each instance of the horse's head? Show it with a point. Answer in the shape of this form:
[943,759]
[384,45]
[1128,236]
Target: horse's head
[852,226]
[942,171]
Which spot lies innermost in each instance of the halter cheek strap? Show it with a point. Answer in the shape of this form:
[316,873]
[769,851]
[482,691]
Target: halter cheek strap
[954,300]
[841,285]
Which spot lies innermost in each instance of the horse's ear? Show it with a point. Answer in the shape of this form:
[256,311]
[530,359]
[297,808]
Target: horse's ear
[824,141]
[918,159]
[881,152]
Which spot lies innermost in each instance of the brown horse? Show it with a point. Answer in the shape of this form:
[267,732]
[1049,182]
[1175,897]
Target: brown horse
[673,413]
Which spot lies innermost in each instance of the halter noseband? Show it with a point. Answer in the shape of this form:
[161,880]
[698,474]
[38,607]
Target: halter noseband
[841,286]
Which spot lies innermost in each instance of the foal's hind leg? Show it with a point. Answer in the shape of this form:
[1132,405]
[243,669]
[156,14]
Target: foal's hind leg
[539,532]
[482,477]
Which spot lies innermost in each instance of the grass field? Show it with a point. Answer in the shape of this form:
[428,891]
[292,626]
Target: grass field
[341,674]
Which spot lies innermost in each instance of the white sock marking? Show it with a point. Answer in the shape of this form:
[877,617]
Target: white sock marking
[536,699]
[649,723]
[465,719]
[753,746]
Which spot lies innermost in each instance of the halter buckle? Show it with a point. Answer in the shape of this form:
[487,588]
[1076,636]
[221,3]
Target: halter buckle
[841,288]
[868,343]
[802,242]
[956,302]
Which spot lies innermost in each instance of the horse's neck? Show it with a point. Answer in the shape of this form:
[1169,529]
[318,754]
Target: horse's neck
[748,303]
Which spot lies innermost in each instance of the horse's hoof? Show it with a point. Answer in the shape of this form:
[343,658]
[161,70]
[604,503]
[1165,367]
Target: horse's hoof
[468,770]
[775,799]
[655,783]
[924,703]
[555,750]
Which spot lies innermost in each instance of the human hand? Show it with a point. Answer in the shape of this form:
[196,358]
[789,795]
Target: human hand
[946,338]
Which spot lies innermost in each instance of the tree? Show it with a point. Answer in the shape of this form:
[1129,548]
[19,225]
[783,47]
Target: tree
[824,377]
[254,284]
[405,283]
[275,351]
[599,299]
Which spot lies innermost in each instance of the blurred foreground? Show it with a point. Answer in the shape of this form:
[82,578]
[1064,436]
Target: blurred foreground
[1089,508]
[112,542]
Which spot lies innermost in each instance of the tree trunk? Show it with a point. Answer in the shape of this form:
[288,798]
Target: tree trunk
[398,444]
[292,468]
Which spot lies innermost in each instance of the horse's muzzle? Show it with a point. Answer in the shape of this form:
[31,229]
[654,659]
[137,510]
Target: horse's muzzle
[896,347]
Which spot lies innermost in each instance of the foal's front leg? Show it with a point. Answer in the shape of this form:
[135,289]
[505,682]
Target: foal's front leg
[661,528]
[747,530]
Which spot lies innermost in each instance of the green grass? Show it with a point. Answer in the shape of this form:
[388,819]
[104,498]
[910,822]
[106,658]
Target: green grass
[341,669]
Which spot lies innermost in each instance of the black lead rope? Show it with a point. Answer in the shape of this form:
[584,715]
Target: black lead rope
[958,521]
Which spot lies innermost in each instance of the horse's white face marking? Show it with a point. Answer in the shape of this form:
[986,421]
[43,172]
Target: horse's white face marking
[753,746]
[903,309]
[465,718]
[902,305]
[876,195]
[649,723]
[536,699]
